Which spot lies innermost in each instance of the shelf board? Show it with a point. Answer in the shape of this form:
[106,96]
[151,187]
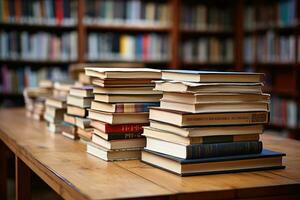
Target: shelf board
[36,63]
[127,28]
[283,29]
[206,32]
[42,27]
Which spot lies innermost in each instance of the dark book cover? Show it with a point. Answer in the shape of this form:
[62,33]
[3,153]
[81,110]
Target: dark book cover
[121,136]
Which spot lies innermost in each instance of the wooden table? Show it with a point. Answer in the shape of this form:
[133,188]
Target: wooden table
[66,167]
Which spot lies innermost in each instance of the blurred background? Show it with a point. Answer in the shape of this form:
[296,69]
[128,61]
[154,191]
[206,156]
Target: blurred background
[43,39]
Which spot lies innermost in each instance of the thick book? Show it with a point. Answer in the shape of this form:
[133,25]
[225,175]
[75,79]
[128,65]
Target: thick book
[211,76]
[128,98]
[204,131]
[129,73]
[118,128]
[83,122]
[116,136]
[179,118]
[194,98]
[123,82]
[189,87]
[125,90]
[57,102]
[85,134]
[82,102]
[57,113]
[119,118]
[75,110]
[177,139]
[195,151]
[212,107]
[119,144]
[122,107]
[69,119]
[265,160]
[85,91]
[113,155]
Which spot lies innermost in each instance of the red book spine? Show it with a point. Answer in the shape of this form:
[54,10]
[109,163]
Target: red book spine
[145,44]
[124,128]
[59,12]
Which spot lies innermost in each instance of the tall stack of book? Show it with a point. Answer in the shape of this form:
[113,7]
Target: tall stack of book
[209,122]
[35,99]
[76,125]
[56,107]
[120,110]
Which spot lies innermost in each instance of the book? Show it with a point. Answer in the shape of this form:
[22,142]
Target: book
[128,98]
[265,160]
[122,82]
[51,119]
[118,128]
[215,107]
[53,112]
[194,98]
[112,155]
[70,119]
[132,73]
[86,134]
[116,136]
[208,119]
[68,128]
[122,107]
[212,77]
[119,144]
[57,102]
[54,128]
[119,118]
[82,102]
[70,135]
[85,91]
[82,122]
[196,151]
[189,87]
[74,110]
[151,132]
[125,90]
[204,131]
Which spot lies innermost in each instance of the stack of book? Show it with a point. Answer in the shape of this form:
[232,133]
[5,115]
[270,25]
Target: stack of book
[209,122]
[76,125]
[120,110]
[56,107]
[35,100]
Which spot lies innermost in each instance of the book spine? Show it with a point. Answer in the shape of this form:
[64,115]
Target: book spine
[130,108]
[223,149]
[124,128]
[120,136]
[229,138]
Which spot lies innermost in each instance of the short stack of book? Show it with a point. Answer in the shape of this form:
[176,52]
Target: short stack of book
[120,110]
[56,106]
[76,125]
[35,99]
[209,122]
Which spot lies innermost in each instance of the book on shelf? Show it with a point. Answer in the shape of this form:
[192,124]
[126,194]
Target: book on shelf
[52,13]
[15,80]
[125,90]
[116,136]
[127,13]
[122,82]
[57,102]
[38,46]
[83,123]
[82,102]
[265,160]
[205,17]
[271,14]
[85,91]
[74,110]
[285,113]
[207,50]
[85,133]
[70,119]
[150,47]
[130,98]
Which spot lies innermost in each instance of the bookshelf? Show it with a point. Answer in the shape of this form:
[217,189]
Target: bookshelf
[213,21]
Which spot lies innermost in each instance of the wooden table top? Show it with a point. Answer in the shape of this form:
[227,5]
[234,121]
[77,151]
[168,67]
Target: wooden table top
[71,172]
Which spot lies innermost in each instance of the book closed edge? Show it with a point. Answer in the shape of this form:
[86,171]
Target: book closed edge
[264,154]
